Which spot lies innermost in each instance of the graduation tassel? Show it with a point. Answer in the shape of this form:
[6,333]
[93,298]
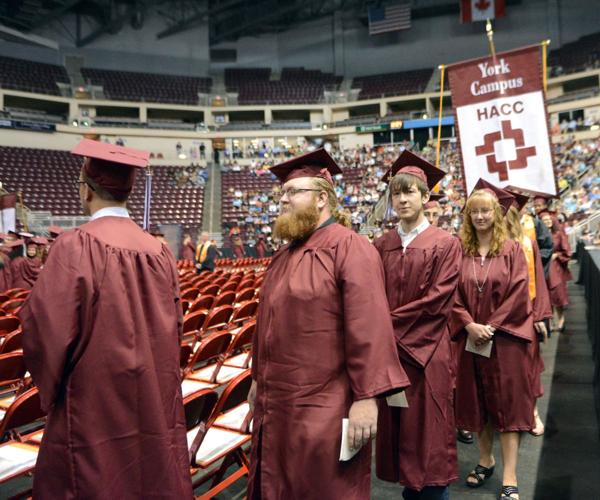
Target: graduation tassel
[147,199]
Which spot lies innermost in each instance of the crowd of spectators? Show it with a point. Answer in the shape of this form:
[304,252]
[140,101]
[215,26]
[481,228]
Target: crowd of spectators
[361,187]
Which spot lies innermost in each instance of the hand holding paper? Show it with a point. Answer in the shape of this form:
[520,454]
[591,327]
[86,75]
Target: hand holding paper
[362,422]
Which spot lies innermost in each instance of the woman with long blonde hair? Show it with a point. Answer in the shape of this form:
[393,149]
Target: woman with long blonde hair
[538,293]
[493,328]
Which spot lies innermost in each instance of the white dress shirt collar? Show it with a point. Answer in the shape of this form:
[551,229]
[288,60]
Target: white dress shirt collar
[110,212]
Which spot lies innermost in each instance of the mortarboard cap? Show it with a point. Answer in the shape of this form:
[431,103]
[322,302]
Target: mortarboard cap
[110,166]
[318,163]
[54,231]
[531,193]
[504,197]
[14,243]
[520,199]
[410,163]
[38,240]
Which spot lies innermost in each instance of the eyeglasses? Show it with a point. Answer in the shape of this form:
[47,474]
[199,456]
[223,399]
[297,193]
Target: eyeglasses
[79,182]
[483,211]
[294,191]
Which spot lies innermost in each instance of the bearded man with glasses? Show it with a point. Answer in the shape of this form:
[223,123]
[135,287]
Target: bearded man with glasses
[323,348]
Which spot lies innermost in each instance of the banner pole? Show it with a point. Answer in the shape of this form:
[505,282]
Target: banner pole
[490,34]
[442,69]
[545,44]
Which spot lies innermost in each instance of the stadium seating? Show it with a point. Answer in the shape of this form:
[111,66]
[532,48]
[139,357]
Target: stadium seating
[148,87]
[31,76]
[576,56]
[390,84]
[48,181]
[296,85]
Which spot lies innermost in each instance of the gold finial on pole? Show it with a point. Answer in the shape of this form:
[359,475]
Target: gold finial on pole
[490,34]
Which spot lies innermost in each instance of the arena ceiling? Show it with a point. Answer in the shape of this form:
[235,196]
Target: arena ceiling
[228,19]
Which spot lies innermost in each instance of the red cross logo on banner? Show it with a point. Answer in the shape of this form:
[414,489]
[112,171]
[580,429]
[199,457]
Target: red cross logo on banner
[501,167]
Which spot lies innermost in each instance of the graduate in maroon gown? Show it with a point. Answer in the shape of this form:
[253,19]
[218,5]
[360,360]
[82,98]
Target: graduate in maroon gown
[261,246]
[188,250]
[323,347]
[433,209]
[538,293]
[102,330]
[416,442]
[559,273]
[25,269]
[5,271]
[493,320]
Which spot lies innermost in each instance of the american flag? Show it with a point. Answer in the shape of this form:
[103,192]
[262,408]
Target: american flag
[391,18]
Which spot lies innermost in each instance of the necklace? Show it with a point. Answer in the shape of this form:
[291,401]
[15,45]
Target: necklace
[480,287]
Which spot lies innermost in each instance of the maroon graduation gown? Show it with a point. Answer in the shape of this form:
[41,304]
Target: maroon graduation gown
[416,446]
[188,252]
[102,331]
[541,310]
[496,389]
[261,249]
[324,339]
[559,273]
[24,272]
[5,274]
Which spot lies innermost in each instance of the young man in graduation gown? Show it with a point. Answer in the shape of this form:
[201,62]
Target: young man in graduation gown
[102,334]
[432,210]
[323,348]
[416,441]
[188,250]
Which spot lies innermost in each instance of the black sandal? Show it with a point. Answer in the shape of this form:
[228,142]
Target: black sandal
[507,491]
[481,474]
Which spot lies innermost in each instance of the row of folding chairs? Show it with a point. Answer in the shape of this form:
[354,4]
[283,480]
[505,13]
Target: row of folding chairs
[217,431]
[217,358]
[12,300]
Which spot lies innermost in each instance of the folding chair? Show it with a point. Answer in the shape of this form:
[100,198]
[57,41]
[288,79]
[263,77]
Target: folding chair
[192,323]
[12,306]
[218,372]
[230,286]
[217,318]
[232,411]
[224,298]
[245,283]
[210,290]
[185,306]
[22,295]
[209,445]
[245,294]
[210,354]
[190,294]
[13,291]
[3,298]
[24,410]
[246,311]
[199,407]
[203,302]
[239,354]
[185,351]
[12,372]
[9,324]
[12,342]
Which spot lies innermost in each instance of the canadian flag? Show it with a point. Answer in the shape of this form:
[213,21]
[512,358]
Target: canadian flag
[481,10]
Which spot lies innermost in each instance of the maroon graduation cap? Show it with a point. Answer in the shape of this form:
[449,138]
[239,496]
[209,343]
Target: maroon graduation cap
[410,163]
[504,197]
[110,166]
[54,231]
[520,199]
[317,163]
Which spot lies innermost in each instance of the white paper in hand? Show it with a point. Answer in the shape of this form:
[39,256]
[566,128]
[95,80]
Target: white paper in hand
[346,453]
[483,350]
[398,400]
